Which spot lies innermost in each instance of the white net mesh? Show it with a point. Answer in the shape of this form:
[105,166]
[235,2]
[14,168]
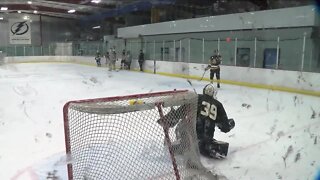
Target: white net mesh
[121,137]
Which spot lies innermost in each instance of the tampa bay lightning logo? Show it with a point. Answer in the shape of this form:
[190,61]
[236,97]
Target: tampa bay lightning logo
[19,28]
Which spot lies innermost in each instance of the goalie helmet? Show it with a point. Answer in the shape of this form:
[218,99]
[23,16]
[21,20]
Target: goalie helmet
[210,91]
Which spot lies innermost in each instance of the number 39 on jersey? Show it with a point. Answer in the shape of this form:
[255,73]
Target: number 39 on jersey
[209,110]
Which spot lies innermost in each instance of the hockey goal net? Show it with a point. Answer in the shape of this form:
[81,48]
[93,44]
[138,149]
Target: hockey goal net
[121,138]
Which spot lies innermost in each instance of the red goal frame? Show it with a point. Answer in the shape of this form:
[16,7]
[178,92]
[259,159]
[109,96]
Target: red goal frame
[115,98]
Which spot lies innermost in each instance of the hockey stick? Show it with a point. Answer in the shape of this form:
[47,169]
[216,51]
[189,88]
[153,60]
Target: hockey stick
[203,75]
[188,80]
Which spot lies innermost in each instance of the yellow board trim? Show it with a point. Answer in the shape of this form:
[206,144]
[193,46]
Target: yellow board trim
[253,85]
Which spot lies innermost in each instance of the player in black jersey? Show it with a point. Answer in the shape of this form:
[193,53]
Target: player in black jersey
[98,58]
[210,113]
[214,66]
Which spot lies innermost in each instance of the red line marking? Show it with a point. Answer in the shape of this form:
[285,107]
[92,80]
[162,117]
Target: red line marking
[28,170]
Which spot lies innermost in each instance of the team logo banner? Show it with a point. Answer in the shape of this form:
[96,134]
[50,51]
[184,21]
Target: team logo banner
[20,31]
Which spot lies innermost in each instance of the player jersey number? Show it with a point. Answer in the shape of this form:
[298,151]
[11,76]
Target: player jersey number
[209,110]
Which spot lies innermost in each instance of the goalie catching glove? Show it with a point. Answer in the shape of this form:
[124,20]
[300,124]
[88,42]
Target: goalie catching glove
[226,126]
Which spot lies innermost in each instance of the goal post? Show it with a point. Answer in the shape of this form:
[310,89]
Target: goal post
[121,137]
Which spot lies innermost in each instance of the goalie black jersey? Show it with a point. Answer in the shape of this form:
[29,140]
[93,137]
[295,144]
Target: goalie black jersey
[210,113]
[210,109]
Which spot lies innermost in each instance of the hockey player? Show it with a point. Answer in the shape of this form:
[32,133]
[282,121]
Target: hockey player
[98,58]
[107,56]
[123,59]
[113,59]
[210,113]
[128,60]
[141,60]
[214,66]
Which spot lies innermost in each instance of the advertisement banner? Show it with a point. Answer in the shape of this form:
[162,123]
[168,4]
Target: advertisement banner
[20,31]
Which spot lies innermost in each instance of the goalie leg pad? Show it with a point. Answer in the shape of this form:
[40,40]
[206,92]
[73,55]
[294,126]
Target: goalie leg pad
[214,149]
[221,147]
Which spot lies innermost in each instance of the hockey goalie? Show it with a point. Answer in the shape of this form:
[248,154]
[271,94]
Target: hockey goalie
[210,114]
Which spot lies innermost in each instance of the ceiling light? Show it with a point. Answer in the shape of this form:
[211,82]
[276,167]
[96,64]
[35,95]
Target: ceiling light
[19,12]
[4,8]
[96,1]
[35,11]
[71,11]
[96,27]
[25,17]
[1,18]
[29,2]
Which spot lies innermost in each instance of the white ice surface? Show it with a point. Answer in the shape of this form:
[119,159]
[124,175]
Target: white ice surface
[277,134]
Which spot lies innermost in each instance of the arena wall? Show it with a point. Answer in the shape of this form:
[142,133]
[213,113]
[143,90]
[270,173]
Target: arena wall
[282,80]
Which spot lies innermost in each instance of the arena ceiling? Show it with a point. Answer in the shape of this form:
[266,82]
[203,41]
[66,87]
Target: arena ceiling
[81,9]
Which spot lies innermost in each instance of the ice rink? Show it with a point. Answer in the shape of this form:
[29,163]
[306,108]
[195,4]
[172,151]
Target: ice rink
[277,134]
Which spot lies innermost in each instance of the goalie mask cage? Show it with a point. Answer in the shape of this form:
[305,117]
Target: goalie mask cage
[121,138]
